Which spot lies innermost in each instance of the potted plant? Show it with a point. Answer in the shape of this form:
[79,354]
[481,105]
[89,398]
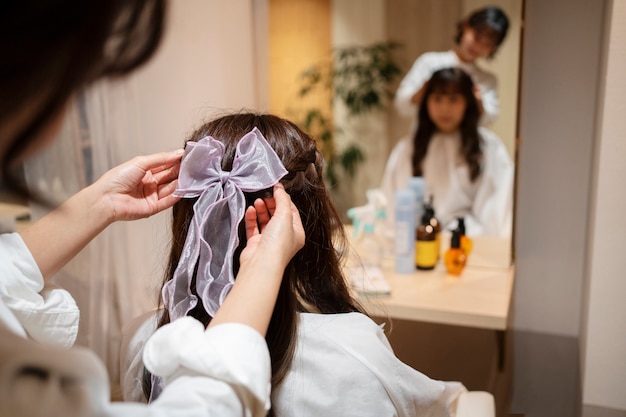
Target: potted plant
[358,77]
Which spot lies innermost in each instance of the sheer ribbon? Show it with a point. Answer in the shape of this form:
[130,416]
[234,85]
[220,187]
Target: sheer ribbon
[212,237]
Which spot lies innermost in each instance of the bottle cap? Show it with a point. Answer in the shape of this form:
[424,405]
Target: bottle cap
[461,225]
[455,242]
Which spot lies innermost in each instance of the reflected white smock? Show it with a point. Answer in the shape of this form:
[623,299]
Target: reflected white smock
[424,67]
[485,203]
[223,371]
[343,366]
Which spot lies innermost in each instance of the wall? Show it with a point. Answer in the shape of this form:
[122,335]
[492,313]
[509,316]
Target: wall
[570,213]
[603,339]
[560,67]
[299,37]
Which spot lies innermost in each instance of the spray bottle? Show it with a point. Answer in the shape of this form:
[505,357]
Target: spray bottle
[368,247]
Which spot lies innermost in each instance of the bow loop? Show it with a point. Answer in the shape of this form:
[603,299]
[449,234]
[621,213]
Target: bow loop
[212,237]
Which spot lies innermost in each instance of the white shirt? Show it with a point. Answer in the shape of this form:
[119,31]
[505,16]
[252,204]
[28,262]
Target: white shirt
[43,312]
[223,371]
[485,203]
[424,67]
[344,366]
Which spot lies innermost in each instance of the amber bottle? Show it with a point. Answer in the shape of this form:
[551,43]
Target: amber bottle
[426,246]
[429,211]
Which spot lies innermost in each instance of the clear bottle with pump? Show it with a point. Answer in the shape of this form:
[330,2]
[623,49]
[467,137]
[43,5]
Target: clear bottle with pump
[455,257]
[368,247]
[466,243]
[364,267]
[426,245]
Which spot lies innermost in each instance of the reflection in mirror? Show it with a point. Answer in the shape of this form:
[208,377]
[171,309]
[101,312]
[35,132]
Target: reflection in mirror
[302,33]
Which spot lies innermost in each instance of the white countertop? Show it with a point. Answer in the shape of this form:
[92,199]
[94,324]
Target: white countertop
[479,297]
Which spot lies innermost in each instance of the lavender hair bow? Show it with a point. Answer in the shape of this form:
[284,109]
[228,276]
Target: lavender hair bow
[212,237]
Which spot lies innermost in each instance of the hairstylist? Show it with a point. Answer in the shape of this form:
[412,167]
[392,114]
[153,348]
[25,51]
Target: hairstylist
[478,36]
[51,49]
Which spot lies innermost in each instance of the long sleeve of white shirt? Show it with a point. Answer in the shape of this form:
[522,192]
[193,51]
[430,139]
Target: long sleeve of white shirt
[47,314]
[223,371]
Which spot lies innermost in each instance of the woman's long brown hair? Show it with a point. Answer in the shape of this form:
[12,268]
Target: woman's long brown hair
[313,280]
[450,81]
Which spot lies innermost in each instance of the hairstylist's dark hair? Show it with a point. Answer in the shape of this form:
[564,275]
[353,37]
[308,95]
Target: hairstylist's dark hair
[53,48]
[313,280]
[450,81]
[489,21]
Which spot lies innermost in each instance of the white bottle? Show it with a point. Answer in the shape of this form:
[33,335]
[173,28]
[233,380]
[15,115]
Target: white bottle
[404,243]
[418,186]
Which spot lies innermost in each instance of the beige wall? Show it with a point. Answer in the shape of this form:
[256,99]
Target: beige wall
[299,36]
[204,66]
[603,338]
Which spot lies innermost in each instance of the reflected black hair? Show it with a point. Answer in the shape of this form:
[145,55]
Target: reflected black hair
[53,48]
[450,81]
[490,21]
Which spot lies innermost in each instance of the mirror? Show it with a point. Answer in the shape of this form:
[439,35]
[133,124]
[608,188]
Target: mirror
[302,33]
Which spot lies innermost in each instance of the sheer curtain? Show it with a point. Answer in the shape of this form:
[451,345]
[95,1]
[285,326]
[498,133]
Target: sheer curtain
[106,279]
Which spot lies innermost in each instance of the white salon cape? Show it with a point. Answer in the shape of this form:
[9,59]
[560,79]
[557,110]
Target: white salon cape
[486,204]
[343,366]
[424,67]
[223,371]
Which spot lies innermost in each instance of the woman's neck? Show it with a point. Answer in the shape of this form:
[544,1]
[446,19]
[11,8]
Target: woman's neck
[462,58]
[448,131]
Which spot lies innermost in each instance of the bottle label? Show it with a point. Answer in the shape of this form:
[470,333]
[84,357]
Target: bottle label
[426,253]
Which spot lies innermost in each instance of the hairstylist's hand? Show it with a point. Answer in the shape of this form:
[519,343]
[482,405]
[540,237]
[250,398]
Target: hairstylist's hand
[142,186]
[275,233]
[273,228]
[479,99]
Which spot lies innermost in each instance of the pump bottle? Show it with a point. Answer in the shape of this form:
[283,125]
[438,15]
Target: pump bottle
[404,244]
[417,184]
[455,257]
[466,243]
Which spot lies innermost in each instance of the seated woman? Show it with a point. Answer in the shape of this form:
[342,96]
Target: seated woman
[328,357]
[466,168]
